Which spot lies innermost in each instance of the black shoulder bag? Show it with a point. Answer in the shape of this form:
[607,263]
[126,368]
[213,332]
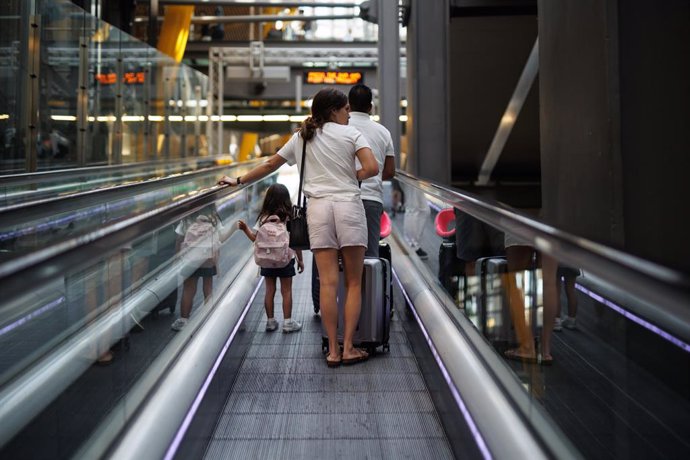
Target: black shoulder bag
[299,232]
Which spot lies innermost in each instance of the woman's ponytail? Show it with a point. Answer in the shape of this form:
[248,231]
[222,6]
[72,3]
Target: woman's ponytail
[308,128]
[324,103]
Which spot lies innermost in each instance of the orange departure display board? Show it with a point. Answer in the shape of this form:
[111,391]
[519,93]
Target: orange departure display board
[332,78]
[129,78]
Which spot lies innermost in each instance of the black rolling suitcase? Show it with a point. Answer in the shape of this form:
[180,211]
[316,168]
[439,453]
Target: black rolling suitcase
[373,329]
[385,253]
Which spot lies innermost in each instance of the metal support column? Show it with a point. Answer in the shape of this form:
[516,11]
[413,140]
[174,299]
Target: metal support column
[119,112]
[82,99]
[153,23]
[149,127]
[428,125]
[298,93]
[167,96]
[220,75]
[197,120]
[183,96]
[389,69]
[29,89]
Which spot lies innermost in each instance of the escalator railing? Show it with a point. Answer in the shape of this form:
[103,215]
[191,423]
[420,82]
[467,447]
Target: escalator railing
[28,227]
[588,344]
[26,187]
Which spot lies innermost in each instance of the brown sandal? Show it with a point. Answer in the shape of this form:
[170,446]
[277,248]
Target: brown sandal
[334,362]
[361,357]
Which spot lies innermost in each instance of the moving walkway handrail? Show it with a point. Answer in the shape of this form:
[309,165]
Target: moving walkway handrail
[27,211]
[19,275]
[53,174]
[502,417]
[667,292]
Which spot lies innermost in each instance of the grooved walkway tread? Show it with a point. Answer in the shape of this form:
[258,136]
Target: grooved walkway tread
[286,403]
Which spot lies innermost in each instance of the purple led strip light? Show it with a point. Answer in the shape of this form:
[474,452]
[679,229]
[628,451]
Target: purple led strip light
[634,318]
[172,450]
[453,389]
[32,315]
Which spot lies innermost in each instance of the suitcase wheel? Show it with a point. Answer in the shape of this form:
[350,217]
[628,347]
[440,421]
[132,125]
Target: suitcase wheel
[386,348]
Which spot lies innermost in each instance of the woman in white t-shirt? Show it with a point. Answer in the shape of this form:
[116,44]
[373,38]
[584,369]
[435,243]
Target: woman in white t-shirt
[335,213]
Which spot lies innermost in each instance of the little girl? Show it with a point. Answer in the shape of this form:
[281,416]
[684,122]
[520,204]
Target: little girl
[277,203]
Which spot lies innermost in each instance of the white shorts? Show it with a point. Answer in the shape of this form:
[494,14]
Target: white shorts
[336,224]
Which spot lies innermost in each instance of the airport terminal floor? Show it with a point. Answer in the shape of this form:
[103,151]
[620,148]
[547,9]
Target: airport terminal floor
[90,366]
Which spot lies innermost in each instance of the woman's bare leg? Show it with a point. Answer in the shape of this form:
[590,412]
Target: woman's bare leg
[327,263]
[353,264]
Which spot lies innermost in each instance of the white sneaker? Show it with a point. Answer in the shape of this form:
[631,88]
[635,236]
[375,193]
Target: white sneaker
[569,323]
[271,325]
[557,325]
[179,324]
[291,326]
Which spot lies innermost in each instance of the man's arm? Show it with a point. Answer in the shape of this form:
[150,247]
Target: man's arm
[388,168]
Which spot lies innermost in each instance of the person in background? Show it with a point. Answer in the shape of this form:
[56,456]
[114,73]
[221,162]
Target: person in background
[416,219]
[567,275]
[381,143]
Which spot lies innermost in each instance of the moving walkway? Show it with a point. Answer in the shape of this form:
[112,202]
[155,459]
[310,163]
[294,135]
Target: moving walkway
[223,387]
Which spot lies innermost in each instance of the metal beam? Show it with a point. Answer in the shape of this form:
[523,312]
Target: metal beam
[505,127]
[259,18]
[240,3]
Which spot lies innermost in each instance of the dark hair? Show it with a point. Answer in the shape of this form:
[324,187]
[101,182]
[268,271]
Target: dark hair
[360,98]
[276,203]
[324,103]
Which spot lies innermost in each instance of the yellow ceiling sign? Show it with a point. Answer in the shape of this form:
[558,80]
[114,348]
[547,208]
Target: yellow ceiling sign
[333,78]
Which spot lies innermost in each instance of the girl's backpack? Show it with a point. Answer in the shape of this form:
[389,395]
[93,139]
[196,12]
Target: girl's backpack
[272,244]
[201,241]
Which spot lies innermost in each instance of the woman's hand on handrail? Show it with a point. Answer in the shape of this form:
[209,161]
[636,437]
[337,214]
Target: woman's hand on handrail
[258,172]
[226,180]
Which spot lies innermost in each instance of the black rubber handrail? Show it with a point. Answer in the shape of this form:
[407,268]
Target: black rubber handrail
[55,174]
[27,211]
[666,291]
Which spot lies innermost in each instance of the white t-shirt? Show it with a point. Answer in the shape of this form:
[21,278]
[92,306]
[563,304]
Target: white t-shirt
[330,163]
[381,144]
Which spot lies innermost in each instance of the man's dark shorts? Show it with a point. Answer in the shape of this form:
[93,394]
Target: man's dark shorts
[475,239]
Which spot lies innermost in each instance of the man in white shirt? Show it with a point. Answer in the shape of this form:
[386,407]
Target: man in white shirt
[381,144]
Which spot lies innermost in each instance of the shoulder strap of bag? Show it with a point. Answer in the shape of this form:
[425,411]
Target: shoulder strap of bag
[301,175]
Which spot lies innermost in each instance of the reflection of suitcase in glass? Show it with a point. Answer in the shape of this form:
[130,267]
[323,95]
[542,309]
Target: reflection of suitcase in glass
[494,309]
[450,268]
[493,301]
[373,328]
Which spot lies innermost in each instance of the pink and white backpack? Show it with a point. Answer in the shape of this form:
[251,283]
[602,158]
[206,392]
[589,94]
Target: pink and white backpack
[272,244]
